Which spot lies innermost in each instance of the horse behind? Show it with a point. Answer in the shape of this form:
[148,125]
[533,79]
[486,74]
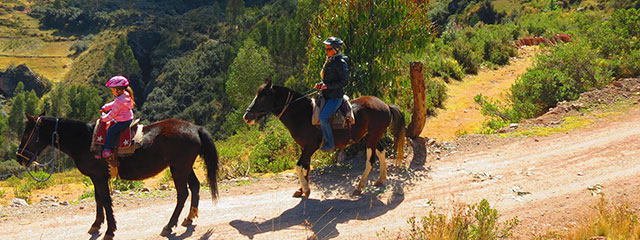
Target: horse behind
[169,143]
[372,117]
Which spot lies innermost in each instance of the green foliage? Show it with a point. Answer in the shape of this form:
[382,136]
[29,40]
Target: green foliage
[16,115]
[122,62]
[192,88]
[125,185]
[270,149]
[376,34]
[84,103]
[40,175]
[9,166]
[556,78]
[81,45]
[252,65]
[2,192]
[32,103]
[87,194]
[275,151]
[436,94]
[474,222]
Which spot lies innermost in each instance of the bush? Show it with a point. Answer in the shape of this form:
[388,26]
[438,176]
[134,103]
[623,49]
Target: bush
[125,185]
[559,76]
[276,151]
[87,194]
[472,222]
[465,54]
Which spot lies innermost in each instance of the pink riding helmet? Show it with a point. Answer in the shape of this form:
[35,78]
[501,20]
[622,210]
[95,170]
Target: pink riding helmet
[117,81]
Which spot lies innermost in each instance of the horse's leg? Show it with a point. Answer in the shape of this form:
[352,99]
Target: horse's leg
[194,186]
[365,174]
[180,182]
[104,197]
[303,168]
[95,227]
[383,167]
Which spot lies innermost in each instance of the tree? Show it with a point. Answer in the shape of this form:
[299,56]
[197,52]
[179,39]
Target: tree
[16,115]
[124,63]
[252,65]
[84,103]
[377,33]
[31,103]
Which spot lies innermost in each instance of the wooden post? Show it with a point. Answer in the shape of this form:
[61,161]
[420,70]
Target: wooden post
[419,115]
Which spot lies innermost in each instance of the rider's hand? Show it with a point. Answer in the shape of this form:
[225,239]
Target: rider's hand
[318,85]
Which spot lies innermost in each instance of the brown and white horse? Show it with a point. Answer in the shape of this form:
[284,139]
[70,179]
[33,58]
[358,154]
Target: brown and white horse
[372,117]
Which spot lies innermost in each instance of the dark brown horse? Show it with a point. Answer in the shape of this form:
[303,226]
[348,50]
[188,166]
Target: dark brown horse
[169,143]
[372,116]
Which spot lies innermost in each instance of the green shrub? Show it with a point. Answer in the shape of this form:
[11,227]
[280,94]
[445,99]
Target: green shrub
[87,194]
[465,54]
[41,175]
[472,222]
[2,192]
[562,75]
[276,151]
[24,191]
[125,185]
[436,94]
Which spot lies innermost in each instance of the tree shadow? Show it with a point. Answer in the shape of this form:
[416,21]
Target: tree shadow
[321,216]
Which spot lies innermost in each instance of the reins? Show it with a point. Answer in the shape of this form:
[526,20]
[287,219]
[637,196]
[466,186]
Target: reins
[55,140]
[290,96]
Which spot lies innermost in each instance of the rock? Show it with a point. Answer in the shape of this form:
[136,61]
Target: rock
[49,199]
[64,203]
[163,187]
[146,189]
[513,125]
[116,191]
[18,202]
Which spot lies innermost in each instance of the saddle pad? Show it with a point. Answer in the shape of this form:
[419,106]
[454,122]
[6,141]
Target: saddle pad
[101,135]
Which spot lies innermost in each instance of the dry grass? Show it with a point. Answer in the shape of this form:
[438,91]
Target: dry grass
[23,43]
[461,115]
[610,220]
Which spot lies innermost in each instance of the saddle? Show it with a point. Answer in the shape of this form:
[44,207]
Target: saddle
[343,118]
[130,139]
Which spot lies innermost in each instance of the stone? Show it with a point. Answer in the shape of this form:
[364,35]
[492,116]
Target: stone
[18,202]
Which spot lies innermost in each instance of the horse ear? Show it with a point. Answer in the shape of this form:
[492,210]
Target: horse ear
[267,81]
[43,113]
[29,117]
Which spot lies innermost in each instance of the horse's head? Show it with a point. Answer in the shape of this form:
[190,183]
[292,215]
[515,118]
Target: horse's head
[263,103]
[32,143]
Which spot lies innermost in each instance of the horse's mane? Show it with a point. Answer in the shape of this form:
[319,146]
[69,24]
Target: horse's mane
[296,95]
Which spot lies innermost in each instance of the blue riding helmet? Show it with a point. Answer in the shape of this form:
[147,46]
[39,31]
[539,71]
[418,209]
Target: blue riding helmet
[334,42]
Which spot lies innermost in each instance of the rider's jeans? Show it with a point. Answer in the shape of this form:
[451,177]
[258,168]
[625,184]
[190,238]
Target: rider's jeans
[113,134]
[329,108]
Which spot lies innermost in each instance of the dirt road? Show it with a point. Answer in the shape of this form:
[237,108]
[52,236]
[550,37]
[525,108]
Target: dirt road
[556,170]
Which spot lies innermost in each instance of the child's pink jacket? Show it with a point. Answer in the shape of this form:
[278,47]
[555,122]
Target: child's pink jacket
[121,109]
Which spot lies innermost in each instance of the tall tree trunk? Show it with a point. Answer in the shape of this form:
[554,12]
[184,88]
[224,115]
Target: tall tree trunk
[419,116]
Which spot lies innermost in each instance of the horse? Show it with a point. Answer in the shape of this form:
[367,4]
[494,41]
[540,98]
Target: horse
[372,117]
[172,142]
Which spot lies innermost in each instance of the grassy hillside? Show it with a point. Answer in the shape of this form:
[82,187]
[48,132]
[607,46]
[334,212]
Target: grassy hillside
[22,42]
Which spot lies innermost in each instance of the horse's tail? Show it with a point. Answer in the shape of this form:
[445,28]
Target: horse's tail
[210,154]
[398,130]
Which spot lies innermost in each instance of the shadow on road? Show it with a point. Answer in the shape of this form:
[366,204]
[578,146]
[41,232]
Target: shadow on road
[321,216]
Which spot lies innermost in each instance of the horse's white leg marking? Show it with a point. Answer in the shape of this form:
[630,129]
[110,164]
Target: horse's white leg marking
[302,173]
[383,168]
[367,169]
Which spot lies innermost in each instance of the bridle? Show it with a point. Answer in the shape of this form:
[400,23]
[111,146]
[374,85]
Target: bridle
[55,140]
[288,102]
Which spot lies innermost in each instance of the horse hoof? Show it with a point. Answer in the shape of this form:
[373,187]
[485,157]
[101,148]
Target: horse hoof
[297,194]
[108,237]
[307,193]
[187,222]
[94,230]
[166,232]
[379,183]
[357,192]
